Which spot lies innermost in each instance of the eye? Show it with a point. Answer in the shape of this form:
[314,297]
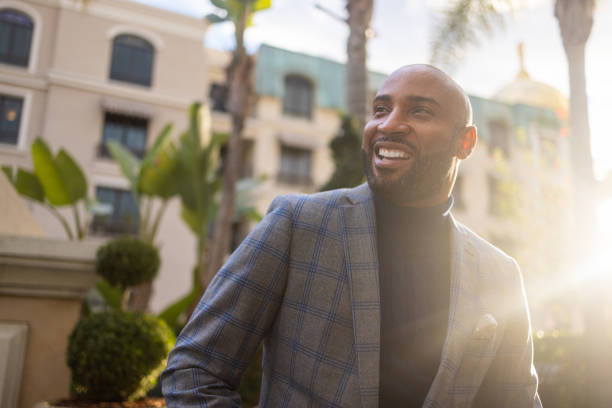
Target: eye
[421,111]
[379,109]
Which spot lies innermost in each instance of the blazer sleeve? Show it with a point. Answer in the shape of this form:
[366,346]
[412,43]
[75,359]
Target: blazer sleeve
[511,380]
[236,311]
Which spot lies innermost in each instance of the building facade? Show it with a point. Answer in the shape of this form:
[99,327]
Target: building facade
[81,76]
[118,70]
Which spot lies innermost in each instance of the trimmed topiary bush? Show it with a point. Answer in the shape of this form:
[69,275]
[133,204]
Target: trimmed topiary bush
[127,261]
[117,356]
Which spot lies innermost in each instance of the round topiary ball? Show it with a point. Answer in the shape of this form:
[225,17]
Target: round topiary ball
[127,261]
[118,356]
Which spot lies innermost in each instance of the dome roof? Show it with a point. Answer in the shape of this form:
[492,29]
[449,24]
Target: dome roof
[530,92]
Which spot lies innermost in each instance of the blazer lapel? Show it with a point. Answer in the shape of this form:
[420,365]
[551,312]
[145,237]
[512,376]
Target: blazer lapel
[359,236]
[463,316]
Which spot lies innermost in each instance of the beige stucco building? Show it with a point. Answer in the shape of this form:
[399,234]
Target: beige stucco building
[121,70]
[81,84]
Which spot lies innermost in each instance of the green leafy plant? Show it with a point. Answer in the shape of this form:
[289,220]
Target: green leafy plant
[150,178]
[198,182]
[125,262]
[117,355]
[57,181]
[346,152]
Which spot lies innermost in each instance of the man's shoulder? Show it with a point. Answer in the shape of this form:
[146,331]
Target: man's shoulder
[324,199]
[484,249]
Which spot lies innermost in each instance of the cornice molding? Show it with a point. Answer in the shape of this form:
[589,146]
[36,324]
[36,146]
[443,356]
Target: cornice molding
[129,12]
[46,267]
[122,91]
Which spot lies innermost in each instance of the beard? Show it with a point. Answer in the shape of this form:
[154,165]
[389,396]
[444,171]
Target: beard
[422,181]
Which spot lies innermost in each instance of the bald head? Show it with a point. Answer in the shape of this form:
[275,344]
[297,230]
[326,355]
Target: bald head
[454,91]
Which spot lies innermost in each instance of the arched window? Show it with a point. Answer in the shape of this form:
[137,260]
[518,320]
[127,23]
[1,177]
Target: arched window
[297,100]
[15,37]
[132,60]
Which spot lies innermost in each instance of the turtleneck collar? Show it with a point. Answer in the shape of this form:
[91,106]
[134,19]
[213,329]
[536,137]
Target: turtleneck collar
[416,218]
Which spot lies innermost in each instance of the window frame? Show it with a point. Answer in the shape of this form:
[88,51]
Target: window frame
[289,109]
[102,227]
[294,177]
[26,96]
[37,22]
[131,78]
[125,121]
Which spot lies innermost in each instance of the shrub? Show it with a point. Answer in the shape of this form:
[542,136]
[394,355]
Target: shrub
[127,261]
[117,355]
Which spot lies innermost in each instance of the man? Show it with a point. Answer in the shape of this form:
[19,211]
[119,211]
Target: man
[372,296]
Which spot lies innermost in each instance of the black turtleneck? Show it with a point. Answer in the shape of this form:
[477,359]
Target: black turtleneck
[414,269]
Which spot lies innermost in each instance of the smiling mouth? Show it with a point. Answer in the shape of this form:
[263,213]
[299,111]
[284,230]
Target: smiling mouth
[391,154]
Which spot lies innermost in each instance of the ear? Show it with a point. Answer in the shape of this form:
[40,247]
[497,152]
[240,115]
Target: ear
[466,142]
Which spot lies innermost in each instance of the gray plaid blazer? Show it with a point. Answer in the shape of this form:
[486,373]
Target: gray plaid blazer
[305,282]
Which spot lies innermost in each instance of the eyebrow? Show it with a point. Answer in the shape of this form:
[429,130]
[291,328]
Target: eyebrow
[411,98]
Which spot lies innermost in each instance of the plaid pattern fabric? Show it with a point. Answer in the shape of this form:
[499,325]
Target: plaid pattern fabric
[305,282]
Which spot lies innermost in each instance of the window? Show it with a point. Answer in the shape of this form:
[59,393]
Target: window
[218,97]
[123,215]
[15,37]
[10,119]
[294,165]
[298,97]
[131,132]
[499,137]
[132,60]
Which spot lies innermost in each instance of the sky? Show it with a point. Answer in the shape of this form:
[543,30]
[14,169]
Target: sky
[403,32]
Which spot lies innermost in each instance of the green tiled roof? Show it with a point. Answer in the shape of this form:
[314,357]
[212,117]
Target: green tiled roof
[517,116]
[273,64]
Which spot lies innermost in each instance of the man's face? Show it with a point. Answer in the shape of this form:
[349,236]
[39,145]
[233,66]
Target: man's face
[410,142]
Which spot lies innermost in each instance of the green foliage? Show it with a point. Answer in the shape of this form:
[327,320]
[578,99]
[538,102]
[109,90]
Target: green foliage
[460,25]
[27,184]
[116,355]
[56,181]
[110,294]
[152,177]
[346,152]
[175,315]
[561,364]
[61,178]
[197,180]
[127,261]
[233,10]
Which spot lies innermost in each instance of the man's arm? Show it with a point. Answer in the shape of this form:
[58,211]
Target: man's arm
[512,380]
[236,311]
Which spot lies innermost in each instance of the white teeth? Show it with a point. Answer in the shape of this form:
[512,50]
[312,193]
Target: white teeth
[392,154]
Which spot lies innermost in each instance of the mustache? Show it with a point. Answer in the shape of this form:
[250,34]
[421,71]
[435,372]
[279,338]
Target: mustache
[395,139]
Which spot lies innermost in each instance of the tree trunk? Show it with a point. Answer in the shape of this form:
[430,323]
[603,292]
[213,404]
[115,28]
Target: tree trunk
[359,16]
[239,76]
[575,22]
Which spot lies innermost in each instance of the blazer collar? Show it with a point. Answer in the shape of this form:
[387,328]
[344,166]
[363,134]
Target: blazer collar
[358,222]
[463,314]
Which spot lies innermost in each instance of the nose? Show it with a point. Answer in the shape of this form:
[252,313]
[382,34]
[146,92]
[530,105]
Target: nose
[394,122]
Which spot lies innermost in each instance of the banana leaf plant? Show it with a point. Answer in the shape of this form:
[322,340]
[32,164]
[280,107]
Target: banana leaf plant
[198,182]
[56,182]
[151,178]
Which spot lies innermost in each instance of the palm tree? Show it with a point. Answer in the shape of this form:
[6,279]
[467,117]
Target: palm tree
[239,75]
[359,16]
